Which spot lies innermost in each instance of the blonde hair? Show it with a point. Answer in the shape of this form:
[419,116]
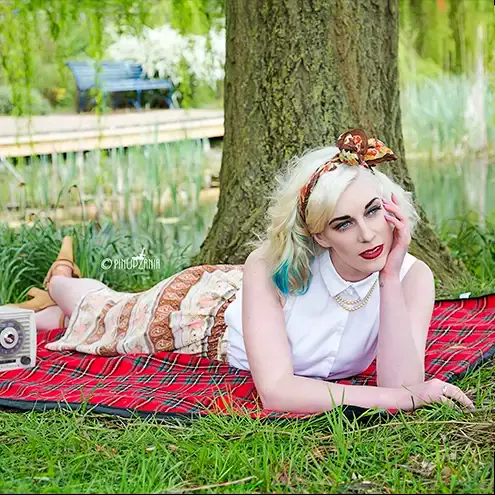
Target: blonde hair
[288,243]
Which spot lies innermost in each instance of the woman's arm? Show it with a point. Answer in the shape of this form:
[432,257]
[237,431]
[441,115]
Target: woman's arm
[405,313]
[309,395]
[270,355]
[405,309]
[270,360]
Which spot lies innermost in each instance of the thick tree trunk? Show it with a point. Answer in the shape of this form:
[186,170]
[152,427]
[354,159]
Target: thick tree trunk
[298,73]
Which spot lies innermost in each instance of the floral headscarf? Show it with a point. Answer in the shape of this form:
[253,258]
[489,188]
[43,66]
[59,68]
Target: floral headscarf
[355,148]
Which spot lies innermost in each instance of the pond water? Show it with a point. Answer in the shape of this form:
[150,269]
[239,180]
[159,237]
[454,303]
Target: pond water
[446,190]
[455,188]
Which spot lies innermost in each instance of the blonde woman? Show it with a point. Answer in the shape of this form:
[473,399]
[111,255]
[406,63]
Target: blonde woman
[333,287]
[329,288]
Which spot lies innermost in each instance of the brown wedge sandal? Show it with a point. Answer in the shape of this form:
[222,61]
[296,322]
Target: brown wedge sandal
[40,300]
[65,257]
[61,322]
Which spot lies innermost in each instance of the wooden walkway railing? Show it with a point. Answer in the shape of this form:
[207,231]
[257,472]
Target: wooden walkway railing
[63,133]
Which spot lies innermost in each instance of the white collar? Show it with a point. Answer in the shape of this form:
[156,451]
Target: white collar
[336,284]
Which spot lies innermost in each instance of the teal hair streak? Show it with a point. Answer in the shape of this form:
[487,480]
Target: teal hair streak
[281,279]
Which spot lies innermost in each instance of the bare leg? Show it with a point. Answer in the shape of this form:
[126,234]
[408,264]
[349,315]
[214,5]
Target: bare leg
[49,318]
[67,291]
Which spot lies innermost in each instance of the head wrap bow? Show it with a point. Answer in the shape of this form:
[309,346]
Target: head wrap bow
[355,148]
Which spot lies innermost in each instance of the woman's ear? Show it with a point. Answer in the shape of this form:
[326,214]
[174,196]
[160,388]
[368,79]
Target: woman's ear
[321,241]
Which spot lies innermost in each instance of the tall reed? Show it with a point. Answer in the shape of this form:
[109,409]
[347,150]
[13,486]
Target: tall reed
[122,178]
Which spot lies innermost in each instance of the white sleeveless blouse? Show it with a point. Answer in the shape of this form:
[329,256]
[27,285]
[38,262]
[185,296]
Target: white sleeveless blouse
[327,341]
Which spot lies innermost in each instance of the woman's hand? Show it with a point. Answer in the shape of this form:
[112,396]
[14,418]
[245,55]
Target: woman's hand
[401,238]
[415,396]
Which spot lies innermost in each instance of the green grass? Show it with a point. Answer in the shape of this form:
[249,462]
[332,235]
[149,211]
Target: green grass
[474,245]
[432,450]
[27,253]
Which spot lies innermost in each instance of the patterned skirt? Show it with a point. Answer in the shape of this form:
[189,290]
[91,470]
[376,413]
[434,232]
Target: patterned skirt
[183,313]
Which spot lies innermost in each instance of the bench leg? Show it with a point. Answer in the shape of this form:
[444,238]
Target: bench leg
[137,102]
[169,101]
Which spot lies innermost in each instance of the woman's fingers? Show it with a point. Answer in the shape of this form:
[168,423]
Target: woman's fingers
[457,394]
[401,228]
[394,209]
[437,391]
[395,221]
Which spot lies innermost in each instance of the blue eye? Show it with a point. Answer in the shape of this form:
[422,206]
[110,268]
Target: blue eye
[374,210]
[341,226]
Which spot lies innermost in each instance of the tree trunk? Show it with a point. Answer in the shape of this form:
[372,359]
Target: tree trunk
[299,73]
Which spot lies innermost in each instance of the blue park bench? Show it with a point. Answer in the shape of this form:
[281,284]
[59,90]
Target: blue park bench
[113,77]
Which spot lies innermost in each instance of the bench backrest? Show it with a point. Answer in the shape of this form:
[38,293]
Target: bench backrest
[88,73]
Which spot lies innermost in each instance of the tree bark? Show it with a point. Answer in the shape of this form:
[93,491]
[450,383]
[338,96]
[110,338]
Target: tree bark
[299,73]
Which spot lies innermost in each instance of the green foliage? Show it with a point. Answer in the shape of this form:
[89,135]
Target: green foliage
[69,27]
[447,99]
[203,94]
[150,172]
[147,196]
[197,16]
[39,106]
[443,33]
[412,67]
[36,38]
[27,253]
[473,244]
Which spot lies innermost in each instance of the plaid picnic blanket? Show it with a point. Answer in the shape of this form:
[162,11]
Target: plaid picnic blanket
[165,384]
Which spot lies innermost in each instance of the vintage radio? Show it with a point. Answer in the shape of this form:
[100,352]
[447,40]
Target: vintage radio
[17,338]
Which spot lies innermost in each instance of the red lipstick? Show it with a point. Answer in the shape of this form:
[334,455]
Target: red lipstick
[371,254]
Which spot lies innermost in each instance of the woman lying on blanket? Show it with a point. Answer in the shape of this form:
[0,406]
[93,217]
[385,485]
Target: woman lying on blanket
[330,288]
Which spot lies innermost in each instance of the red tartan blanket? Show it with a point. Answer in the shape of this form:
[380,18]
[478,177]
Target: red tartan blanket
[461,337]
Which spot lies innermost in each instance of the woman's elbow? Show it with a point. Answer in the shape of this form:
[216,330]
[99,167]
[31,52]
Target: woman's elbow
[270,399]
[270,404]
[272,396]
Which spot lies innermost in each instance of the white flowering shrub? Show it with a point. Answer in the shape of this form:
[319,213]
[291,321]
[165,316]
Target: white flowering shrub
[164,51]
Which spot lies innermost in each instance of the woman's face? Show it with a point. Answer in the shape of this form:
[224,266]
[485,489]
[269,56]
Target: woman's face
[357,225]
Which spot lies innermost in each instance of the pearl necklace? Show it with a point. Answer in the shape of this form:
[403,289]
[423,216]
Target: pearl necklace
[358,303]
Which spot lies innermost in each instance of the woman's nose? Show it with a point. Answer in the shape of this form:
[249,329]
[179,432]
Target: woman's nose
[365,233]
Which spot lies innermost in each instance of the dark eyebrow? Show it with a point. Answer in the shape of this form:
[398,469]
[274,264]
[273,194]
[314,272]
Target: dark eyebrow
[347,217]
[369,204]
